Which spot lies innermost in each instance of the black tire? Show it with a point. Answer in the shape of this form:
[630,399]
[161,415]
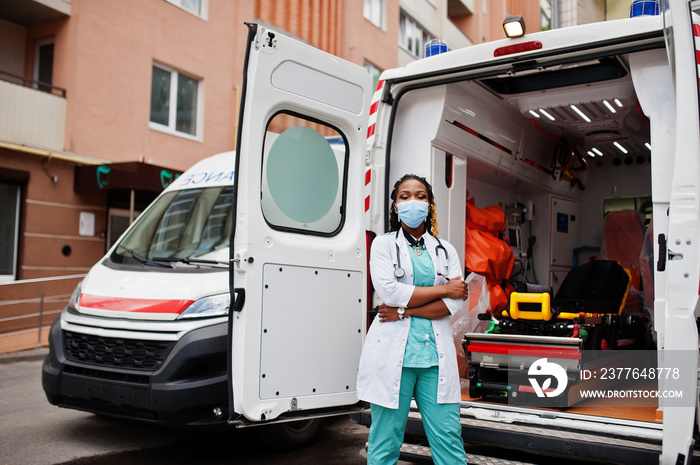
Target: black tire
[289,435]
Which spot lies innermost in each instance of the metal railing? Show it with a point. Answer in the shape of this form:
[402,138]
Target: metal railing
[38,85]
[31,304]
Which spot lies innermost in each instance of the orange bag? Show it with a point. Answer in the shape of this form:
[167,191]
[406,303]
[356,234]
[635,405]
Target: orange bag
[499,294]
[490,219]
[486,253]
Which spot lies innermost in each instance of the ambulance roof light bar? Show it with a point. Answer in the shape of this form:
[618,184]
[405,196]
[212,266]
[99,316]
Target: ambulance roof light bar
[514,26]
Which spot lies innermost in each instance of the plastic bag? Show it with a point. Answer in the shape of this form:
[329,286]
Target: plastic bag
[466,319]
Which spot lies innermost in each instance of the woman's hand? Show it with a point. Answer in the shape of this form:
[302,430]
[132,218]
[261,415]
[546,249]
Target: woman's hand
[386,313]
[456,289]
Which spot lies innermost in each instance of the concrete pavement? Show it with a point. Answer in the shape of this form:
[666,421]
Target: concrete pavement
[32,431]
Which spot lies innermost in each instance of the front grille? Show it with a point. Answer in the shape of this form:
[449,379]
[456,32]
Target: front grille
[116,352]
[117,376]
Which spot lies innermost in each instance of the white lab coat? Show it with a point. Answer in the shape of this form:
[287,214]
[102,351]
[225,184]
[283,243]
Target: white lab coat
[379,374]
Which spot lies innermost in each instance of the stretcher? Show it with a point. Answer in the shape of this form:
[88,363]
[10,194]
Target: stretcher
[541,350]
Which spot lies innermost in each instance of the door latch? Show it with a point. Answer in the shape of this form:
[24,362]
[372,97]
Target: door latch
[661,264]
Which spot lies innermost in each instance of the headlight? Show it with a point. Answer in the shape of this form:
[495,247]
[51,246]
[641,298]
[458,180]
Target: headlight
[74,302]
[216,305]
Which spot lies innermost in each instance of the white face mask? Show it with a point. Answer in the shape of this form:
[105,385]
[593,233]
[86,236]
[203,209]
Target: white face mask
[412,212]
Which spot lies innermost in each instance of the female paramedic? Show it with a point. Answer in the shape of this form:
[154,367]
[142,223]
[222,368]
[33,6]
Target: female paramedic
[409,351]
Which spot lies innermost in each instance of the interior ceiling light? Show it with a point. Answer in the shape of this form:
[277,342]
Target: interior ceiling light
[514,26]
[622,149]
[618,103]
[610,107]
[534,113]
[647,145]
[580,113]
[591,154]
[597,152]
[547,114]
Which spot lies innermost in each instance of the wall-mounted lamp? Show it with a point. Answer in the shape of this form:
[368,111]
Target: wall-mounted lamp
[45,165]
[514,26]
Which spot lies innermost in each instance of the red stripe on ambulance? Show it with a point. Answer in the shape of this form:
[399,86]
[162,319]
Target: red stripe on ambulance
[372,126]
[120,304]
[370,131]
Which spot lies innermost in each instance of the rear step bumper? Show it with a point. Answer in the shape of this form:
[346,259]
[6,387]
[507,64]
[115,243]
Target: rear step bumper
[421,454]
[542,433]
[544,441]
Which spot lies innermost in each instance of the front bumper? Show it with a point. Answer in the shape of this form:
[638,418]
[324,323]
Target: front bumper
[188,388]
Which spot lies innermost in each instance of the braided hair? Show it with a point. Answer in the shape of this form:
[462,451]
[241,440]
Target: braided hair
[431,224]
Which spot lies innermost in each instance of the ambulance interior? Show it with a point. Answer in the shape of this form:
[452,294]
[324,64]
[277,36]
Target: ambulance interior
[563,151]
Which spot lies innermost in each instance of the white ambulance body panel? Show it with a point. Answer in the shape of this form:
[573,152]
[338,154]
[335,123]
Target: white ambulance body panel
[299,240]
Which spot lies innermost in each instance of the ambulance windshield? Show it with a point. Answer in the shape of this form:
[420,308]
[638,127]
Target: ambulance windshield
[189,228]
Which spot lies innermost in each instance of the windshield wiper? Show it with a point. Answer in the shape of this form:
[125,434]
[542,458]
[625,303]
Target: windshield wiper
[146,261]
[192,261]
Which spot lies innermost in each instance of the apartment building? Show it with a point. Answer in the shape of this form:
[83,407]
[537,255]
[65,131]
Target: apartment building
[103,103]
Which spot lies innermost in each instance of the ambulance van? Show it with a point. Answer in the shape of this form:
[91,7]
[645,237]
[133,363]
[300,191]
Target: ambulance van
[145,334]
[179,325]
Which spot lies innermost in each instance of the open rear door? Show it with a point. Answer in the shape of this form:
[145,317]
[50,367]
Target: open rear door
[298,246]
[682,260]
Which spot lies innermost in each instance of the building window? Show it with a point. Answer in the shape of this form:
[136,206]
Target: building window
[545,15]
[412,37]
[174,101]
[9,230]
[373,12]
[374,73]
[196,7]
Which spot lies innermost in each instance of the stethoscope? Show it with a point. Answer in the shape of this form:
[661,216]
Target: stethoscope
[400,272]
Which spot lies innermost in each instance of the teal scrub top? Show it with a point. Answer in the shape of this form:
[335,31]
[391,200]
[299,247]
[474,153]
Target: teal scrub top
[421,351]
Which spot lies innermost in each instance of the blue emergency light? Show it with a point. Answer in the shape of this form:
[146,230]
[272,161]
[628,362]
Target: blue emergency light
[435,47]
[644,8]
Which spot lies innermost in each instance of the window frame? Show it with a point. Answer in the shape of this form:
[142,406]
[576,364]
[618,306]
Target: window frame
[170,128]
[407,22]
[203,8]
[38,62]
[379,22]
[374,72]
[17,229]
[343,178]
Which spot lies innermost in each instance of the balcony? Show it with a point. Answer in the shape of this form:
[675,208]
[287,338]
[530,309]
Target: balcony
[457,8]
[32,113]
[33,12]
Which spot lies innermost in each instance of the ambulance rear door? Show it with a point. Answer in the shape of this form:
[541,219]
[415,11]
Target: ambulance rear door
[681,259]
[298,249]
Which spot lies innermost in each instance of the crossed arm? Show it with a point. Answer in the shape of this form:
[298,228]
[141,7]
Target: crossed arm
[426,302]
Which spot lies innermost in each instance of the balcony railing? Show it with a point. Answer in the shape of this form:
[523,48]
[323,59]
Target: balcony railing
[32,113]
[28,307]
[26,82]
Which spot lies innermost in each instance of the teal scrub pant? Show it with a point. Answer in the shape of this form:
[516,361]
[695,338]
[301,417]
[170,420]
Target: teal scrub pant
[440,421]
